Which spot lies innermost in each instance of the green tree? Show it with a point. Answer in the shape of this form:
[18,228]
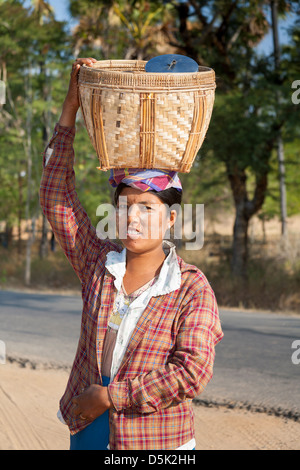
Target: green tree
[120,29]
[15,39]
[34,45]
[223,35]
[246,119]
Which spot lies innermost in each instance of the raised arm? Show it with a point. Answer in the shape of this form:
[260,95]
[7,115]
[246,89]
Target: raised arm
[71,103]
[58,198]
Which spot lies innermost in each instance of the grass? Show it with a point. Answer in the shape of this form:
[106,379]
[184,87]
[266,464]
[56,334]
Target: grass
[52,273]
[273,274]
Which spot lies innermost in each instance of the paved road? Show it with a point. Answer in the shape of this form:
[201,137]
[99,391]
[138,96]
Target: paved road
[253,361]
[40,327]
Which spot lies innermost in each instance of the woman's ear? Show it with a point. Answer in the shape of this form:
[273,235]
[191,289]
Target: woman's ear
[173,216]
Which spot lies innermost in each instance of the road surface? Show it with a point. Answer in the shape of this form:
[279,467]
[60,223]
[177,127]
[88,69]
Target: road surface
[253,362]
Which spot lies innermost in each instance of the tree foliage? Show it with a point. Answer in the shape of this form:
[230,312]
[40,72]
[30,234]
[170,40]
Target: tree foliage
[236,162]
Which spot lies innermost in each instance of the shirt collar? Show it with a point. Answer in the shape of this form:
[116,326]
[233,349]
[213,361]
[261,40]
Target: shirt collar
[169,277]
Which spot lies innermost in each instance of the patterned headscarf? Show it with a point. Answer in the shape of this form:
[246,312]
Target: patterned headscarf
[145,179]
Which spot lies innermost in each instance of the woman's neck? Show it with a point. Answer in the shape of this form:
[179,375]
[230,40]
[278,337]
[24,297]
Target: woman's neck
[150,262]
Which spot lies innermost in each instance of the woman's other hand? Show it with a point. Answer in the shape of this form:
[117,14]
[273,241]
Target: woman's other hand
[93,402]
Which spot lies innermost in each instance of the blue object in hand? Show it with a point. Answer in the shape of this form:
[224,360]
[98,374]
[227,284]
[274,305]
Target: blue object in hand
[171,63]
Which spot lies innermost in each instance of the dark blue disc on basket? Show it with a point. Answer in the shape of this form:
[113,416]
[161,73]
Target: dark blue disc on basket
[171,63]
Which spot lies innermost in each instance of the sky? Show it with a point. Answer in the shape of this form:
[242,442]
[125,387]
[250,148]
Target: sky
[266,45]
[61,10]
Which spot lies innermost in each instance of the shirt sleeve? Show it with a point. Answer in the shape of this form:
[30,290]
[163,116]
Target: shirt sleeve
[188,371]
[60,204]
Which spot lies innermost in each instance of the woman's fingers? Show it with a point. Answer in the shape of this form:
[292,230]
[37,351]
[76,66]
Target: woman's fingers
[85,61]
[75,70]
[76,410]
[79,62]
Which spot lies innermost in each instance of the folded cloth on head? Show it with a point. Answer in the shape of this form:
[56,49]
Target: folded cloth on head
[145,179]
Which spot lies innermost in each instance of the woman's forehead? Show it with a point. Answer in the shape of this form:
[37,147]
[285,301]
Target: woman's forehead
[141,197]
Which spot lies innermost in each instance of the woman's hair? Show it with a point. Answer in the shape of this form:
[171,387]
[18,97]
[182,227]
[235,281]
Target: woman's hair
[168,196]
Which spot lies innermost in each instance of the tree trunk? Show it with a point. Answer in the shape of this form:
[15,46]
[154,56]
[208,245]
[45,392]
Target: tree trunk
[283,202]
[240,243]
[245,209]
[30,241]
[237,178]
[280,149]
[28,100]
[8,234]
[46,136]
[20,211]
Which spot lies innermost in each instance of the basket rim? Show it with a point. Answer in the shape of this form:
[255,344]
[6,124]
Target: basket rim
[107,64]
[107,75]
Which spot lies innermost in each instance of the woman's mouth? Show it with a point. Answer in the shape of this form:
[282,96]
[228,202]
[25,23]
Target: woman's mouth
[133,234]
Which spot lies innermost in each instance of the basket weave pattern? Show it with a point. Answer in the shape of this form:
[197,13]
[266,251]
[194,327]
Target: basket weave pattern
[142,120]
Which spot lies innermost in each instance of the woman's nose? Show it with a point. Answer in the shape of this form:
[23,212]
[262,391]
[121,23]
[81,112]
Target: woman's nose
[133,213]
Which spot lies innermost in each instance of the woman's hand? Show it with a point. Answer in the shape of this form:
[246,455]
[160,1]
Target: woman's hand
[71,103]
[93,402]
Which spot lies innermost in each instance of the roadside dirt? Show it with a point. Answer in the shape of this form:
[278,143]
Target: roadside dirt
[29,401]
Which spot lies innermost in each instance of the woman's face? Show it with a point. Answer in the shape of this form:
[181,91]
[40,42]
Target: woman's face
[142,220]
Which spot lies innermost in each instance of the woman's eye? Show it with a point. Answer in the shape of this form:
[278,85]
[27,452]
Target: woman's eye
[122,207]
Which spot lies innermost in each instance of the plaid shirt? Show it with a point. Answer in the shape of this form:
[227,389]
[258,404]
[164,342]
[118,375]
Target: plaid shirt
[169,359]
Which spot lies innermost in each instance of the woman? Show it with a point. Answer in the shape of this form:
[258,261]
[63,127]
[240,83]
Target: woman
[150,321]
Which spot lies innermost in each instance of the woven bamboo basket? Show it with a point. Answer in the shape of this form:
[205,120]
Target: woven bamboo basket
[137,119]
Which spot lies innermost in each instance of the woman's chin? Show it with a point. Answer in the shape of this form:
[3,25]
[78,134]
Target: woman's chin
[133,241]
[139,244]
